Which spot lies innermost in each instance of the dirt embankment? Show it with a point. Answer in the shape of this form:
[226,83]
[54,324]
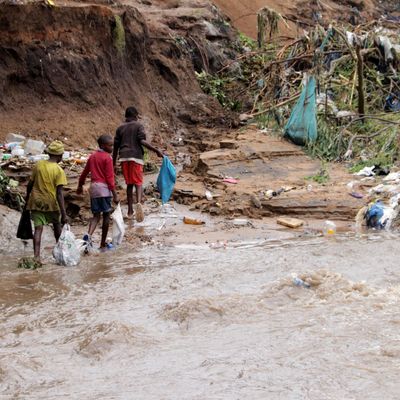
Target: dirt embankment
[300,14]
[70,71]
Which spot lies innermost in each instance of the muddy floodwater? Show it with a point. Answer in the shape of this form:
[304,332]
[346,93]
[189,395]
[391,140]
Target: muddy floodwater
[191,322]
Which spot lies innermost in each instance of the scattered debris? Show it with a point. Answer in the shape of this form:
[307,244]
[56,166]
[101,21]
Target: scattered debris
[9,194]
[366,171]
[230,180]
[208,195]
[255,201]
[329,228]
[356,195]
[29,263]
[300,283]
[219,244]
[241,222]
[290,222]
[193,221]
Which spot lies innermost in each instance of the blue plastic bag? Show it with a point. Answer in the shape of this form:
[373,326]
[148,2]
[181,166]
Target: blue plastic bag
[392,102]
[374,215]
[302,125]
[166,179]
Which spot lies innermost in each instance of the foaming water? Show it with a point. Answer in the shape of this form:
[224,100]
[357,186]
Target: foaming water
[194,322]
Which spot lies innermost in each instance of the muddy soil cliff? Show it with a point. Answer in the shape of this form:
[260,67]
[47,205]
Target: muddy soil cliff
[301,14]
[70,71]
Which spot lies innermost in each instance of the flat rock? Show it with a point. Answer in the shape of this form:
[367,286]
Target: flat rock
[290,222]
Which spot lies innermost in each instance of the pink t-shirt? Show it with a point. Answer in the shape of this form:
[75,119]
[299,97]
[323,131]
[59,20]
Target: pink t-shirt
[100,167]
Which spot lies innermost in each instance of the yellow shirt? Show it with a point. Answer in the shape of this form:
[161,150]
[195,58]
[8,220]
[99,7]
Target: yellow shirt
[46,176]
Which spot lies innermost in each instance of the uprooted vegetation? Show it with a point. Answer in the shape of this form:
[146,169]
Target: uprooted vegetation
[358,119]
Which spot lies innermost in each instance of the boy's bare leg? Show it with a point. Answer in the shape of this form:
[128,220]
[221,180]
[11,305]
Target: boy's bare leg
[138,198]
[104,229]
[37,239]
[139,193]
[57,230]
[93,223]
[129,196]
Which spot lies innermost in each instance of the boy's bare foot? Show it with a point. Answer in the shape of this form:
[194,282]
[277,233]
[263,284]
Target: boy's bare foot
[139,213]
[130,216]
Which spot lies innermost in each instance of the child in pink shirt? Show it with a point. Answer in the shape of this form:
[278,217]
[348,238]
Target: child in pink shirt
[102,187]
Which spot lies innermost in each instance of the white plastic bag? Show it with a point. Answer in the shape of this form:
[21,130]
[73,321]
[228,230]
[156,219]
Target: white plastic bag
[66,252]
[118,230]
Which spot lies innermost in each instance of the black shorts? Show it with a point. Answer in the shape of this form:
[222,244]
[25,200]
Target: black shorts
[100,205]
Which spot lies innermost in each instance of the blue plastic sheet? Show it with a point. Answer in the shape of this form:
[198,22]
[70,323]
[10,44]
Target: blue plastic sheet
[302,125]
[374,215]
[392,102]
[166,179]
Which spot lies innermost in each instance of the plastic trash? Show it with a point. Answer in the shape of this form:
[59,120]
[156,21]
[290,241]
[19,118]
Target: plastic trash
[233,181]
[392,102]
[38,157]
[167,209]
[17,151]
[366,171]
[356,195]
[241,222]
[329,228]
[193,221]
[219,244]
[85,245]
[208,195]
[12,145]
[24,230]
[302,125]
[15,138]
[385,43]
[66,251]
[393,176]
[166,179]
[118,230]
[300,283]
[34,147]
[378,215]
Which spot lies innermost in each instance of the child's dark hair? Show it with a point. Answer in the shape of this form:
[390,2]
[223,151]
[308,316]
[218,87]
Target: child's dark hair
[104,139]
[131,112]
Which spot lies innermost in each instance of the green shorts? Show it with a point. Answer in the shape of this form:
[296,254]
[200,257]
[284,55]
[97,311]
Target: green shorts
[41,218]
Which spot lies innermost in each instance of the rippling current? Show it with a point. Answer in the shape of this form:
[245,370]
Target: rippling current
[190,322]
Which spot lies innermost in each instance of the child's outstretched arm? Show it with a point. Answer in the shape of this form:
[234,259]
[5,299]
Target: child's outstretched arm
[152,148]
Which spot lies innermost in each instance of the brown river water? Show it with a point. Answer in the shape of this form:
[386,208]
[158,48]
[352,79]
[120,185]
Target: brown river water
[191,322]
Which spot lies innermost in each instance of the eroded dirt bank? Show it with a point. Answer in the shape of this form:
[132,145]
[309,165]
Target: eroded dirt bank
[300,14]
[70,71]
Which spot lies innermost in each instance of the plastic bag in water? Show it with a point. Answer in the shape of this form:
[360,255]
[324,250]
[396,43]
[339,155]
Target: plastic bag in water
[66,251]
[118,230]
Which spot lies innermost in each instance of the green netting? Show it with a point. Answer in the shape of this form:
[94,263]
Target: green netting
[302,125]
